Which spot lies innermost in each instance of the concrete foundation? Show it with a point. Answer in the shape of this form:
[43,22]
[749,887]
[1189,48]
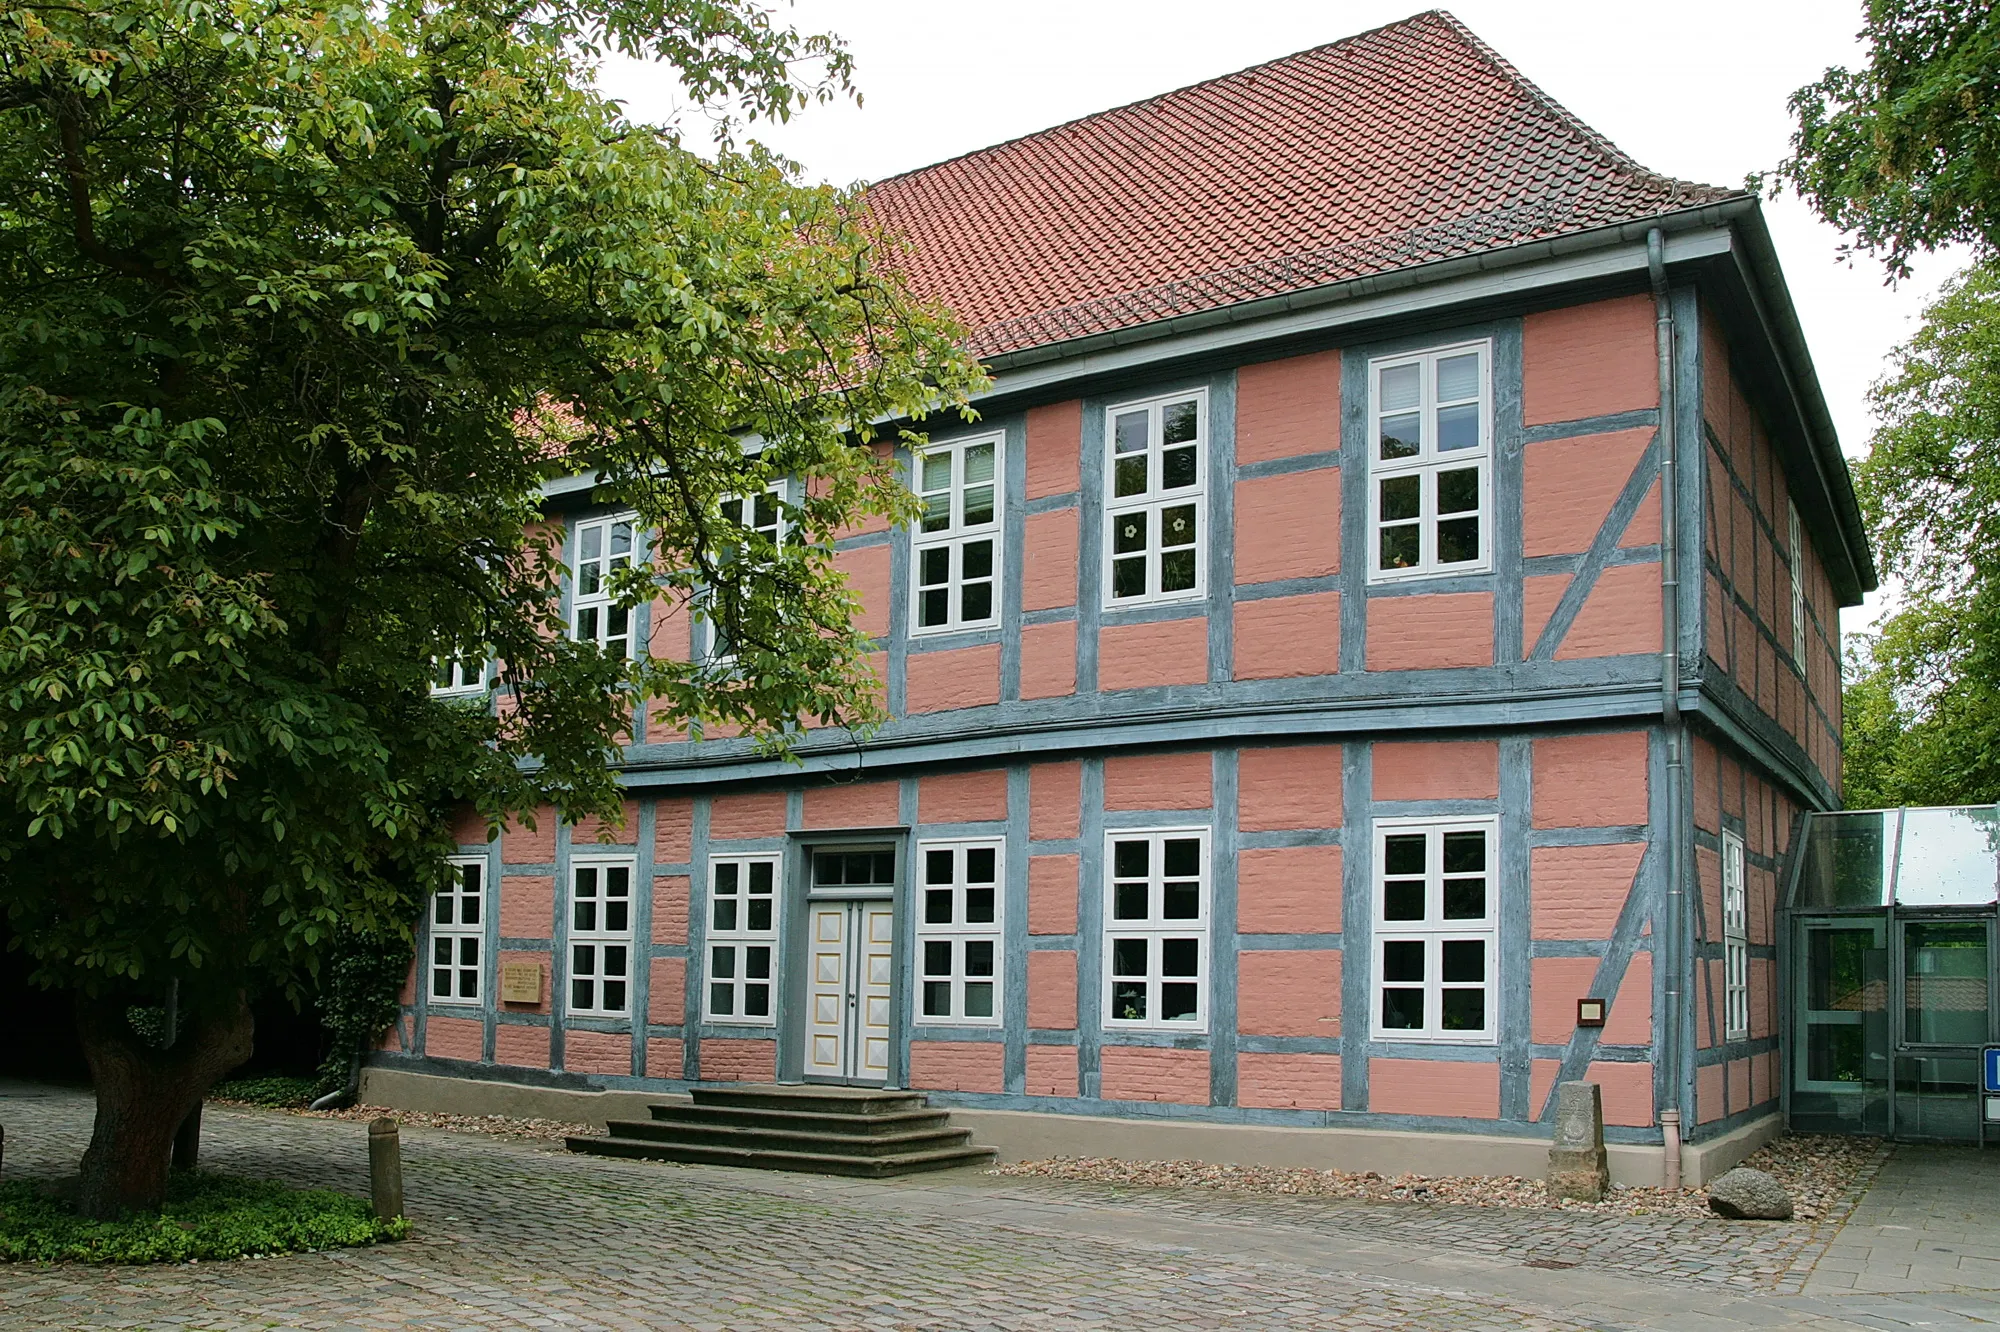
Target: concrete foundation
[1023,1135]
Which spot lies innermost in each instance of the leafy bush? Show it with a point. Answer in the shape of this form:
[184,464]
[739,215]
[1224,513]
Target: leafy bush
[206,1217]
[282,1092]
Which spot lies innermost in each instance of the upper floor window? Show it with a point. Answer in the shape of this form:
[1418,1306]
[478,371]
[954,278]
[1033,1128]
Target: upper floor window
[1155,509]
[603,546]
[458,933]
[460,675]
[742,938]
[958,932]
[1436,929]
[1156,930]
[760,517]
[1429,500]
[600,937]
[1795,559]
[957,541]
[1735,942]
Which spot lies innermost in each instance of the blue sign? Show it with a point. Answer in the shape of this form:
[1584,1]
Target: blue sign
[1992,1062]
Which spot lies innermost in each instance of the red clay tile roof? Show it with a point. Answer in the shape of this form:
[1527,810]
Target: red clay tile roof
[1408,144]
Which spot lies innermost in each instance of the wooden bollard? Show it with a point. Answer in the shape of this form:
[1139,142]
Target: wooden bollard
[385,1168]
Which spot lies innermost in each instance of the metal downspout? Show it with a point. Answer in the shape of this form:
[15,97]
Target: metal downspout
[1671,928]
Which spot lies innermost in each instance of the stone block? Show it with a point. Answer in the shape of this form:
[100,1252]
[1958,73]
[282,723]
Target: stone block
[1578,1167]
[1743,1194]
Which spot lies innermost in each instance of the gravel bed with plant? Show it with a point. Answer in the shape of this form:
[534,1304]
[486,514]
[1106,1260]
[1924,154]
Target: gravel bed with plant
[291,1095]
[1818,1171]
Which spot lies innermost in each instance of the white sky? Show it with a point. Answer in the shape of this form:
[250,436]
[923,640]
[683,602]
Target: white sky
[1696,89]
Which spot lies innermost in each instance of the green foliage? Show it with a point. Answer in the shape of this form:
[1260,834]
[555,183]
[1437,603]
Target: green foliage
[1905,152]
[359,998]
[280,1093]
[298,308]
[1923,702]
[206,1217]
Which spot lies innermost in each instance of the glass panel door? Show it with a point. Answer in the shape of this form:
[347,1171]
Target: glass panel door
[1840,1073]
[1942,1021]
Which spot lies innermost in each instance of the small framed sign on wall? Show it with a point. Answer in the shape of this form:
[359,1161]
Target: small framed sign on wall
[521,982]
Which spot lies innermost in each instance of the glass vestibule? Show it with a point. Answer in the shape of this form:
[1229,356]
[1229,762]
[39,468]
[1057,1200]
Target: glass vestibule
[1889,934]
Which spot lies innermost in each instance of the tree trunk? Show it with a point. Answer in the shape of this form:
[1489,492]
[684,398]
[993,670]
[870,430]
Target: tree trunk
[144,1096]
[187,1140]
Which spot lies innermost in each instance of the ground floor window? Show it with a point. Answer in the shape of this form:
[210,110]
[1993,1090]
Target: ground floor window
[742,938]
[958,932]
[1435,929]
[1156,929]
[458,933]
[600,938]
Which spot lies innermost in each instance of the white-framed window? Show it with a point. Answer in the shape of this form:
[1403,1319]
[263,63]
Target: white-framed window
[1429,470]
[1155,505]
[460,675]
[1735,942]
[1795,559]
[956,545]
[742,939]
[458,933]
[1156,929]
[761,517]
[603,546]
[958,933]
[1436,929]
[600,937]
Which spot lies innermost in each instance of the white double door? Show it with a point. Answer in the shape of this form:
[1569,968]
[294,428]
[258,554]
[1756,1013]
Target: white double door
[849,988]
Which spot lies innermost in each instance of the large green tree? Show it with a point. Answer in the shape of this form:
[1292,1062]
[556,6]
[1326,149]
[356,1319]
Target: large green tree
[299,305]
[1904,154]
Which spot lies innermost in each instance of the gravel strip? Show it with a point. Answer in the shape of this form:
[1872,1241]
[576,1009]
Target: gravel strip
[1818,1171]
[495,1126]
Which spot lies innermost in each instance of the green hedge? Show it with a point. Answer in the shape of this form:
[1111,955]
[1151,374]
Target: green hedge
[285,1093]
[207,1217]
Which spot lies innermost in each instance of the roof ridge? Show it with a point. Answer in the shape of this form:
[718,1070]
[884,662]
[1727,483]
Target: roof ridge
[1103,112]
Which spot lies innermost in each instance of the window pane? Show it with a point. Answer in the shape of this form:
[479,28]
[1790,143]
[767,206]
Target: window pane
[757,963]
[979,861]
[1177,1002]
[1401,437]
[1129,901]
[593,542]
[1464,852]
[1402,497]
[722,963]
[722,1000]
[1402,1010]
[1402,387]
[976,559]
[1458,427]
[1399,547]
[979,957]
[1464,960]
[978,505]
[884,865]
[827,869]
[937,867]
[468,880]
[978,464]
[1465,899]
[767,513]
[616,916]
[937,471]
[1177,422]
[1129,431]
[1177,571]
[1464,1010]
[979,999]
[1128,533]
[1403,853]
[1182,901]
[468,952]
[934,607]
[756,1001]
[1180,856]
[1128,957]
[937,906]
[1178,468]
[1458,491]
[937,998]
[1458,541]
[1458,377]
[1130,859]
[937,513]
[760,913]
[1177,526]
[1403,899]
[441,907]
[1128,1000]
[468,984]
[1129,476]
[1403,960]
[581,992]
[586,916]
[975,602]
[934,566]
[614,995]
[725,878]
[760,876]
[725,914]
[937,957]
[979,906]
[1180,957]
[1128,577]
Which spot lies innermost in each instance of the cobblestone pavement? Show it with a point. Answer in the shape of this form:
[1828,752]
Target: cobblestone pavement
[513,1234]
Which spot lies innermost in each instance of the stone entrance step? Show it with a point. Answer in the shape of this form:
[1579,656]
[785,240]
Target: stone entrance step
[810,1129]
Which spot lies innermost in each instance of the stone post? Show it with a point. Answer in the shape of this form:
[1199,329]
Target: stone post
[1578,1168]
[385,1168]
